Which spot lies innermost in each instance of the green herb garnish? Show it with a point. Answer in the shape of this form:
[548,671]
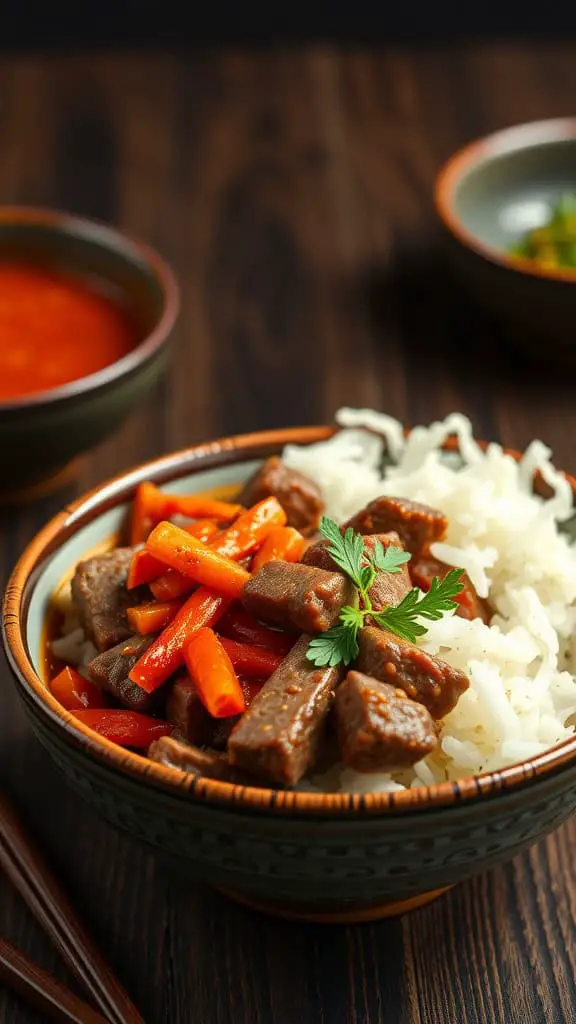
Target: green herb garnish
[340,643]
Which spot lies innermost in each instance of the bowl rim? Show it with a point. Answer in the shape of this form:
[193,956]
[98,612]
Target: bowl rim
[112,238]
[169,468]
[506,140]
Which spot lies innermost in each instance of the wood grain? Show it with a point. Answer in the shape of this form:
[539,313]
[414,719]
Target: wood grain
[291,191]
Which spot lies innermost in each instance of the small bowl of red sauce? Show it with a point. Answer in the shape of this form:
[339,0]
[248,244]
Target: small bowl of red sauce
[85,317]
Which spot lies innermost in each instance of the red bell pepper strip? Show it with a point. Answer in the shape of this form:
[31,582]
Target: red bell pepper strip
[251,661]
[166,652]
[239,625]
[127,728]
[73,691]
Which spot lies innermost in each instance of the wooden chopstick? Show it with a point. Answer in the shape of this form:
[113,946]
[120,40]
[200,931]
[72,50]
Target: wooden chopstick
[23,864]
[42,991]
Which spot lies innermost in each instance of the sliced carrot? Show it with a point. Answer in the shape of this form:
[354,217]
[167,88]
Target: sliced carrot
[252,661]
[144,567]
[153,616]
[283,544]
[166,652]
[242,538]
[73,691]
[239,625]
[200,563]
[152,505]
[213,674]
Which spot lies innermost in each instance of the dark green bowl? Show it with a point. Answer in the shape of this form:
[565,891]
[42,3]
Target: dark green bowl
[487,196]
[330,857]
[41,434]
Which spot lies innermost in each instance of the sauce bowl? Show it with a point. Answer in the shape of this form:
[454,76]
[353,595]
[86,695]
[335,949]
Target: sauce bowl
[487,196]
[42,433]
[330,857]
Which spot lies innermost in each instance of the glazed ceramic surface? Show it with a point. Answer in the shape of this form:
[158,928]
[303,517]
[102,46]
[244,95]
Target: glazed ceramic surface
[319,856]
[41,433]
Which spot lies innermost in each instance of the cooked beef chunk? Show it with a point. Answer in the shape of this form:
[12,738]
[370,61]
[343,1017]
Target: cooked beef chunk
[211,763]
[110,669]
[424,678]
[299,496]
[470,606]
[388,588]
[379,727]
[278,737]
[100,595]
[417,525]
[193,722]
[297,596]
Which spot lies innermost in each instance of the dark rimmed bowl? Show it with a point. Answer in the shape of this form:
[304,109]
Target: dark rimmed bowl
[330,857]
[42,434]
[487,196]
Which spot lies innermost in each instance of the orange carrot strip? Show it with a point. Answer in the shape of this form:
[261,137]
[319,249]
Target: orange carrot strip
[166,652]
[73,691]
[240,539]
[151,506]
[283,544]
[200,563]
[213,674]
[252,661]
[144,567]
[153,616]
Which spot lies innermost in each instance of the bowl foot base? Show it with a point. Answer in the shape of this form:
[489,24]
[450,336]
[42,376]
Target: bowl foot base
[353,914]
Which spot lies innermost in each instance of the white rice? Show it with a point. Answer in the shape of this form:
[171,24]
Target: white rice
[522,697]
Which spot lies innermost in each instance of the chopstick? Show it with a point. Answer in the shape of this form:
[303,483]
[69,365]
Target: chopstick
[42,991]
[23,864]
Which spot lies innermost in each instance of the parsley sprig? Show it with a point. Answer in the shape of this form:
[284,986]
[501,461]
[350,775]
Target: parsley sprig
[340,643]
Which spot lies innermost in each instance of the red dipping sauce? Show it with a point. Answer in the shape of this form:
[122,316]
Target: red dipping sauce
[55,329]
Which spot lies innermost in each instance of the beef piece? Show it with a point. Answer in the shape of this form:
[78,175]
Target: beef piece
[379,727]
[417,525]
[192,721]
[299,496]
[110,669]
[470,606]
[425,679]
[210,763]
[279,735]
[100,595]
[388,588]
[297,596]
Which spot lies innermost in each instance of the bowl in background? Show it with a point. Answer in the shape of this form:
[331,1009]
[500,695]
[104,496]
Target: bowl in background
[314,856]
[487,196]
[42,433]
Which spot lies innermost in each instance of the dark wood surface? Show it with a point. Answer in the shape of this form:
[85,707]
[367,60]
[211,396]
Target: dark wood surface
[292,194]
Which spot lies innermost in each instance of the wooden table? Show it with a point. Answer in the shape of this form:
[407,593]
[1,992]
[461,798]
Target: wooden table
[291,191]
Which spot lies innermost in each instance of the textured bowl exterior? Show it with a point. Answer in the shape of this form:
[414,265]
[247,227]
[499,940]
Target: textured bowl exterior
[317,856]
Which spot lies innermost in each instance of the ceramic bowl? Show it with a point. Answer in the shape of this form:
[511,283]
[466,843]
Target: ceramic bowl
[487,196]
[41,434]
[330,857]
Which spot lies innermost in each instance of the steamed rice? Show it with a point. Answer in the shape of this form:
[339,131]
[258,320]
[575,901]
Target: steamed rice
[522,696]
